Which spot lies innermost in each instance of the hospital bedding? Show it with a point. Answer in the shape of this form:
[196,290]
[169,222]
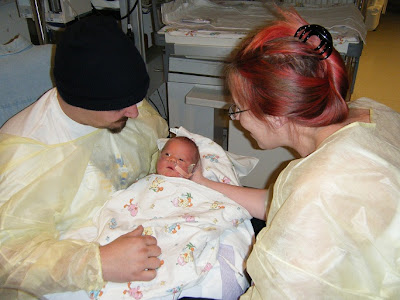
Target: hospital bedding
[226,23]
[25,75]
[205,237]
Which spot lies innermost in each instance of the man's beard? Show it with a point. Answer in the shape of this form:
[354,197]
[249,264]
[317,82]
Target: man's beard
[119,128]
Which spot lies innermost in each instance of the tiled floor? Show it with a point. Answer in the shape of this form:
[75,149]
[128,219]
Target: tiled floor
[379,70]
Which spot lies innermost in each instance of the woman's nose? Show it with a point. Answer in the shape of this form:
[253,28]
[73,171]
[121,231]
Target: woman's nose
[131,111]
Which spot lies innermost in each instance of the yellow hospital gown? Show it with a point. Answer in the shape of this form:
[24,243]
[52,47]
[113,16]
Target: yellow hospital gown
[333,230]
[49,190]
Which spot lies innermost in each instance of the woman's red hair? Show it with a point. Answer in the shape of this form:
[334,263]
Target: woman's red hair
[275,73]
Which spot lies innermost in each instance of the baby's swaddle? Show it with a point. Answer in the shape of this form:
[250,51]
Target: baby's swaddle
[190,223]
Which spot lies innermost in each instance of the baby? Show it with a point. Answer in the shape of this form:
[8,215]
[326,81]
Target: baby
[189,222]
[178,158]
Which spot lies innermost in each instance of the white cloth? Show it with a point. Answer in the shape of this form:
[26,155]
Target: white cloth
[218,17]
[189,221]
[218,164]
[46,122]
[333,230]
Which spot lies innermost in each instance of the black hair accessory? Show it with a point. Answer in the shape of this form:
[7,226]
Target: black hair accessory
[326,46]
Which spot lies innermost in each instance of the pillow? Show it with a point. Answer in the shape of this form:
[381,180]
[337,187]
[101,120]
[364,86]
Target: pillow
[218,164]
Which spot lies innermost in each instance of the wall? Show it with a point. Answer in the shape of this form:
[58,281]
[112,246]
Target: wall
[10,22]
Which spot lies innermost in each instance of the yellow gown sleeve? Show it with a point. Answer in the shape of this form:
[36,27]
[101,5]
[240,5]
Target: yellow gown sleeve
[39,183]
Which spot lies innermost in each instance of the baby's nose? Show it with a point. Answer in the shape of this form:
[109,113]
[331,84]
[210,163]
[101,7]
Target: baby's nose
[172,159]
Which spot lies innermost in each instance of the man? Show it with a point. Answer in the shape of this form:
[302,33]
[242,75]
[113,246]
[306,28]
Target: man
[60,159]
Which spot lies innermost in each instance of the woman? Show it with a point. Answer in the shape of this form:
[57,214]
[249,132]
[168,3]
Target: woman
[333,225]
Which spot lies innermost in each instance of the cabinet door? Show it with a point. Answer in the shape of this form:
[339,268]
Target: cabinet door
[196,119]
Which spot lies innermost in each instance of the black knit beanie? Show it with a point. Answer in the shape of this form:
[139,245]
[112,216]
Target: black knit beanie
[97,67]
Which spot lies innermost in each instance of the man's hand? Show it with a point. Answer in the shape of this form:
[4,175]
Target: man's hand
[131,257]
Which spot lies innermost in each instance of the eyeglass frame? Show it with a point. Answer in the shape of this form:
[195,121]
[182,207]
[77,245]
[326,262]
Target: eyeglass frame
[234,110]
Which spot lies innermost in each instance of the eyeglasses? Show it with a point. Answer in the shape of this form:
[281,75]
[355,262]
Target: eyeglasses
[234,110]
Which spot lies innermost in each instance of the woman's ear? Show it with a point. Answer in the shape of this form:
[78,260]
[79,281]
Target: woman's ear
[277,121]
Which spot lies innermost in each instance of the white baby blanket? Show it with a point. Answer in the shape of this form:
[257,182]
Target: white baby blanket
[189,221]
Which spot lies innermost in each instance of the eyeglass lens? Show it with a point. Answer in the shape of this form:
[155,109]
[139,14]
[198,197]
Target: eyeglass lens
[233,111]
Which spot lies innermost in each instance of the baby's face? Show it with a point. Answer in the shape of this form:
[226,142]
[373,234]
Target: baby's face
[175,152]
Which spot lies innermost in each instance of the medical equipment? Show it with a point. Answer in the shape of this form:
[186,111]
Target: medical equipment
[185,174]
[50,14]
[24,8]
[64,11]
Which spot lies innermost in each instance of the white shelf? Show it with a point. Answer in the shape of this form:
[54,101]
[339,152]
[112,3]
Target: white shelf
[209,96]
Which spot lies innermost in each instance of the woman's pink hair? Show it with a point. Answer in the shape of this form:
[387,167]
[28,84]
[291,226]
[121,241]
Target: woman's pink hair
[275,73]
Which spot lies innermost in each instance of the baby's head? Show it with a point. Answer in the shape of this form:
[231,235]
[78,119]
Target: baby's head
[180,152]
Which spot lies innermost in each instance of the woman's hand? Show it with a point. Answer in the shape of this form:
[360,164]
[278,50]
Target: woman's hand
[251,199]
[197,173]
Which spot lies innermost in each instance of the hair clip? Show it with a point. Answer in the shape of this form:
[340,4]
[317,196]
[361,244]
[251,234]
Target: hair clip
[326,45]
